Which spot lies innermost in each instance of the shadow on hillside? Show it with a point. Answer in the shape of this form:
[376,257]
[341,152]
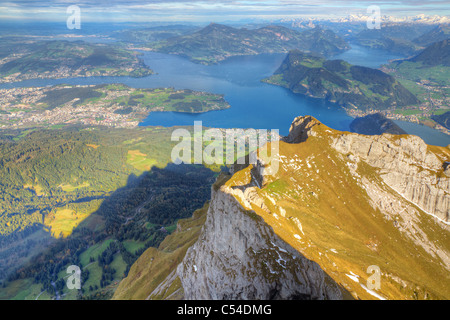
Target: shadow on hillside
[145,210]
[158,197]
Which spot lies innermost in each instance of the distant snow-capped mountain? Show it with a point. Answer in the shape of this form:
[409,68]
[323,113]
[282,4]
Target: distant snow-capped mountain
[421,18]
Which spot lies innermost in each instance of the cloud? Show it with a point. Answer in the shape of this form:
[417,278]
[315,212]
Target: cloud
[213,10]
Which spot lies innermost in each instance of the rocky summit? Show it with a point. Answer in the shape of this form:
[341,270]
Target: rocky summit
[340,206]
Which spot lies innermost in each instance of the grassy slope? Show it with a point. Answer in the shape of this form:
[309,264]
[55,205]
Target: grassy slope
[340,229]
[431,67]
[417,71]
[155,264]
[89,163]
[41,187]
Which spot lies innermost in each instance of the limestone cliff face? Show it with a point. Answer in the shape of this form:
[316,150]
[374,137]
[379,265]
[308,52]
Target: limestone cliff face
[338,204]
[238,256]
[405,163]
[407,166]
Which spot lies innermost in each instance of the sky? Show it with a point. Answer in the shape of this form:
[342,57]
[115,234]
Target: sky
[211,10]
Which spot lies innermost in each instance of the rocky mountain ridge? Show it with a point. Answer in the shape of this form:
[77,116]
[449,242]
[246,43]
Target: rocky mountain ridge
[339,204]
[247,260]
[217,42]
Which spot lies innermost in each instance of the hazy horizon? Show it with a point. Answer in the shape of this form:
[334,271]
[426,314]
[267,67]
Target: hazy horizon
[194,11]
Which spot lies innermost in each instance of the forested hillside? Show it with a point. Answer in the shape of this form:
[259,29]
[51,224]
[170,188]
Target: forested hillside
[60,59]
[218,42]
[88,196]
[352,87]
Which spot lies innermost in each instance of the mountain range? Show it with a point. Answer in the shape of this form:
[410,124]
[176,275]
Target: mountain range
[441,32]
[421,18]
[61,58]
[397,38]
[435,54]
[426,75]
[404,39]
[217,42]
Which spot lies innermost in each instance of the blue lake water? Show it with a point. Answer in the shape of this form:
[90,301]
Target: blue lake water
[253,104]
[372,58]
[429,135]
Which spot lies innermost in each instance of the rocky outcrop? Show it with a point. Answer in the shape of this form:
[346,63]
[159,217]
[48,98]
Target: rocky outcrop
[407,166]
[339,203]
[404,162]
[238,256]
[300,129]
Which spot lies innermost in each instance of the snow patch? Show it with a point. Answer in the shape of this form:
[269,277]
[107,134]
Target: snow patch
[280,249]
[373,293]
[353,277]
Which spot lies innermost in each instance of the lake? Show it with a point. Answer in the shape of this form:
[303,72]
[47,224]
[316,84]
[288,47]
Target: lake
[253,104]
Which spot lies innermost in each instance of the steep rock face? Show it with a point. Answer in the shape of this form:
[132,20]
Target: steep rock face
[238,256]
[335,207]
[338,204]
[300,129]
[407,166]
[405,163]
